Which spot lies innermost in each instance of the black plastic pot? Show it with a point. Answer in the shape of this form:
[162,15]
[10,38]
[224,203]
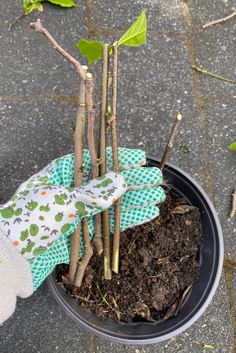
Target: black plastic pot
[211,261]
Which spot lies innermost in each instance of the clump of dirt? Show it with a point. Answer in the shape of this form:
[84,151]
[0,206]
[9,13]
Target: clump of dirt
[158,265]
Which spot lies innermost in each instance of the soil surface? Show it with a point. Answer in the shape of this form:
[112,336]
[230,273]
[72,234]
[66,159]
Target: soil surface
[158,265]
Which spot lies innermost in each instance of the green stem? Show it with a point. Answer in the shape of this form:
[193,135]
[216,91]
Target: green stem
[203,71]
[103,296]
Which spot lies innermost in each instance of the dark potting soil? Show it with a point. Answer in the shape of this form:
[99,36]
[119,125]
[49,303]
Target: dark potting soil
[158,265]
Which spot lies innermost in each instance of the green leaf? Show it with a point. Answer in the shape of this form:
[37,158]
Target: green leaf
[44,208]
[232,146]
[39,251]
[104,183]
[24,235]
[65,228]
[30,5]
[34,229]
[25,193]
[92,50]
[80,206]
[30,246]
[45,237]
[63,3]
[184,149]
[32,205]
[18,212]
[7,212]
[136,34]
[59,200]
[59,217]
[101,177]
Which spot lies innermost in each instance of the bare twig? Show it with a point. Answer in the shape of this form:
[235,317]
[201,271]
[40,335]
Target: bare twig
[106,82]
[88,80]
[220,20]
[91,119]
[117,310]
[102,146]
[78,173]
[78,297]
[181,300]
[97,240]
[171,141]
[16,20]
[233,209]
[79,134]
[39,28]
[74,253]
[171,311]
[92,147]
[88,253]
[117,215]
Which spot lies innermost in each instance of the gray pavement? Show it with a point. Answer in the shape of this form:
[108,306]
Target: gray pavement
[37,106]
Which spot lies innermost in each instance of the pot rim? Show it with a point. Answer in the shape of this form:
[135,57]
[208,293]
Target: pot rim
[128,341]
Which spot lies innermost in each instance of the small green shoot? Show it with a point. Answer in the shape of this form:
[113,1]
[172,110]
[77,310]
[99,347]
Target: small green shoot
[133,37]
[232,146]
[184,149]
[31,5]
[103,296]
[208,346]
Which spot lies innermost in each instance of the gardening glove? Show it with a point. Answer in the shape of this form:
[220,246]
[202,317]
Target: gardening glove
[138,205]
[35,217]
[46,209]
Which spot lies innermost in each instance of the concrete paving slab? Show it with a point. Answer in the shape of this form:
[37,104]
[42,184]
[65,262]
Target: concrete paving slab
[32,132]
[39,326]
[122,14]
[162,16]
[29,65]
[170,16]
[205,11]
[214,47]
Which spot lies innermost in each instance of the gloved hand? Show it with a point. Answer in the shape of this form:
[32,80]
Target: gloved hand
[46,209]
[138,205]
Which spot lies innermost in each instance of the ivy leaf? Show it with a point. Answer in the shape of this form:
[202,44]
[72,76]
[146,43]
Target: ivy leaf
[136,34]
[63,3]
[31,5]
[232,146]
[90,49]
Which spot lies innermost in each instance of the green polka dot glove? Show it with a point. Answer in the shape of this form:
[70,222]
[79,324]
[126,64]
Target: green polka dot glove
[46,209]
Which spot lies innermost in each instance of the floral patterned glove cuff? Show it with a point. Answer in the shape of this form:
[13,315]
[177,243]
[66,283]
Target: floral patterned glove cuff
[39,214]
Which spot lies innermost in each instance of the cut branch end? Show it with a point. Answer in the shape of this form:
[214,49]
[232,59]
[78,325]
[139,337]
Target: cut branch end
[170,143]
[233,208]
